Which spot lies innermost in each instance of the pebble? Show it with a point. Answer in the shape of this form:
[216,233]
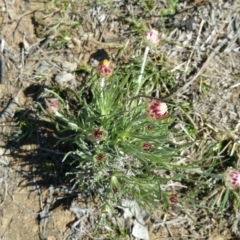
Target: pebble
[69,66]
[43,67]
[64,77]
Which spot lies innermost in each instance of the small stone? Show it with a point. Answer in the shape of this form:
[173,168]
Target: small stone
[86,36]
[64,77]
[70,45]
[69,67]
[43,67]
[76,41]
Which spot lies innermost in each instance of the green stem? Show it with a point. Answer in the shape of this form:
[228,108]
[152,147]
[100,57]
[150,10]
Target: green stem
[102,83]
[142,68]
[102,100]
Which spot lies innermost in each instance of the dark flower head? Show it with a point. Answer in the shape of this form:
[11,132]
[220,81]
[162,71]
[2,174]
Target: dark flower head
[150,127]
[173,198]
[100,157]
[146,146]
[115,189]
[99,134]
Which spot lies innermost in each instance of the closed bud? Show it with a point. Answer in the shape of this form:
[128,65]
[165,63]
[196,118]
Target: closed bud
[98,134]
[115,189]
[150,127]
[232,178]
[52,106]
[173,198]
[114,184]
[151,38]
[100,157]
[146,146]
[157,109]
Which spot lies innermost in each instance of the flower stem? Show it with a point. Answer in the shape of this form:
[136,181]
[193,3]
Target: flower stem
[142,67]
[143,64]
[102,98]
[102,83]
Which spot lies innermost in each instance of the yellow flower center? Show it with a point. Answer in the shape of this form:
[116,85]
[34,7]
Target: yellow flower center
[106,63]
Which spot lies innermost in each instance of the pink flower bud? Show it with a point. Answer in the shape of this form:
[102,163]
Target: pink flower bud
[157,109]
[232,178]
[105,68]
[146,146]
[173,198]
[114,184]
[100,157]
[115,189]
[151,38]
[52,106]
[99,134]
[150,127]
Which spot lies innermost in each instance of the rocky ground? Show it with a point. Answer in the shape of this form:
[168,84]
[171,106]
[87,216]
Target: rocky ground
[46,42]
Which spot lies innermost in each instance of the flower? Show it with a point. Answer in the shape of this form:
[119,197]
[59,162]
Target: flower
[232,178]
[52,106]
[157,109]
[114,184]
[150,127]
[105,68]
[100,157]
[173,198]
[151,38]
[99,134]
[146,146]
[115,189]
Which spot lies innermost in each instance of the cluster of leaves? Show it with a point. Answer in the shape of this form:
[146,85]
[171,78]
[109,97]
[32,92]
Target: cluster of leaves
[120,151]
